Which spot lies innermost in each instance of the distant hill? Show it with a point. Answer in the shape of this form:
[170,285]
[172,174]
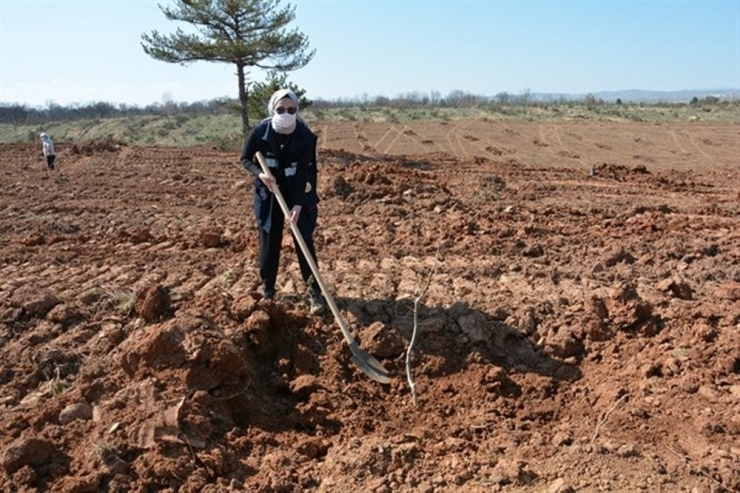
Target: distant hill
[643,96]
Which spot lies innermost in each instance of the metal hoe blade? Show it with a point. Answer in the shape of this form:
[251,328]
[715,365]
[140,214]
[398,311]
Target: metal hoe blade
[368,364]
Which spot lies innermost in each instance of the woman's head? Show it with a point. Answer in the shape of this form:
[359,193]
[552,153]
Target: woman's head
[283,108]
[283,98]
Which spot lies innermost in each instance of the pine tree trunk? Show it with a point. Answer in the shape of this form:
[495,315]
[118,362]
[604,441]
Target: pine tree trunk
[243,99]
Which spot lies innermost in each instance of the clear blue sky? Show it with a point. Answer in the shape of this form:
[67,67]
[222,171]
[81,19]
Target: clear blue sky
[82,51]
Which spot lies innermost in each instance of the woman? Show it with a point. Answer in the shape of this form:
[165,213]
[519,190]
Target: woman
[47,146]
[289,148]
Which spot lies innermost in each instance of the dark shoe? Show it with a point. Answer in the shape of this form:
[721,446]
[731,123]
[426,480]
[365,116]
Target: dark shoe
[268,293]
[316,303]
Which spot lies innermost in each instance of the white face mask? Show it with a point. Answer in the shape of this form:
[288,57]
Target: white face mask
[284,123]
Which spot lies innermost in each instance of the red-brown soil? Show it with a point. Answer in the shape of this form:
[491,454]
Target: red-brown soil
[580,330]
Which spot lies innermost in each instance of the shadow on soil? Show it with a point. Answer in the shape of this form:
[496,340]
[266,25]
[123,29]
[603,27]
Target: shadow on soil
[458,335]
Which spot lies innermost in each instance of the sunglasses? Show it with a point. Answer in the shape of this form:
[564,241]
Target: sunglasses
[282,109]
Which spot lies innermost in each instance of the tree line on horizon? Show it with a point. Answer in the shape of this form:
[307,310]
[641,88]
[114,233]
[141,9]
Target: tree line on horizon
[19,114]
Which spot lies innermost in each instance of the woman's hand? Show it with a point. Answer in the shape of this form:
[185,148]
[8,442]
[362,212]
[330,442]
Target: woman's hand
[268,180]
[295,213]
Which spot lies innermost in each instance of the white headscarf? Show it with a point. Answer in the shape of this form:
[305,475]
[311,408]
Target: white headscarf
[44,136]
[275,99]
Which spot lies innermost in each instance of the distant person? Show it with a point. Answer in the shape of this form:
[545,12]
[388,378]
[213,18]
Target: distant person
[289,148]
[47,146]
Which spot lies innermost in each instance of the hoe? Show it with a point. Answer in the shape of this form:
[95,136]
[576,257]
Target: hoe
[367,363]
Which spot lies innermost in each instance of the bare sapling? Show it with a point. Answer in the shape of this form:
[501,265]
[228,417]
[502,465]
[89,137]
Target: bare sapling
[409,377]
[606,416]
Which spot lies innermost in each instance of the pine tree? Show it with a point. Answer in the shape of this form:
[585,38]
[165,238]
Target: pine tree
[246,33]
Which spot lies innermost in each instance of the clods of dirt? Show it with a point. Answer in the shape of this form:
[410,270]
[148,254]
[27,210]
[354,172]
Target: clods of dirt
[575,326]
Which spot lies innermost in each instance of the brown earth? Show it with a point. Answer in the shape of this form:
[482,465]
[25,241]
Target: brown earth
[577,324]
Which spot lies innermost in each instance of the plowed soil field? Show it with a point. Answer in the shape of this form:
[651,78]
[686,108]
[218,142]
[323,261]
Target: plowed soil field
[573,289]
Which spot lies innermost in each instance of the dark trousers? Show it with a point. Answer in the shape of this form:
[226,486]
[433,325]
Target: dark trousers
[50,161]
[271,241]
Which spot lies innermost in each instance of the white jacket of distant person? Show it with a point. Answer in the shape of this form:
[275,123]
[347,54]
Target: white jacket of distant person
[48,148]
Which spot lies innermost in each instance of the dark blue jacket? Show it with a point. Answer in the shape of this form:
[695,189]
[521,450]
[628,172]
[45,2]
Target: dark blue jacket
[293,166]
